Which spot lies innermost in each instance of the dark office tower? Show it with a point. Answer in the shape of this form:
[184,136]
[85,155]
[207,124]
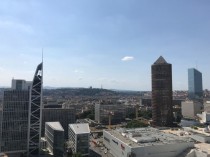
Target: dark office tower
[195,87]
[15,117]
[65,116]
[35,113]
[162,114]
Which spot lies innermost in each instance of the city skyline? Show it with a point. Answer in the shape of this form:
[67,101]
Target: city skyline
[103,43]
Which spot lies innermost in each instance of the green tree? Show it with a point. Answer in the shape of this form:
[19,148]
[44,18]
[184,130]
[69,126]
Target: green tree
[136,124]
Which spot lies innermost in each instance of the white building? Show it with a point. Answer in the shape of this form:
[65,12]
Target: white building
[79,138]
[54,135]
[191,108]
[204,117]
[144,142]
[206,106]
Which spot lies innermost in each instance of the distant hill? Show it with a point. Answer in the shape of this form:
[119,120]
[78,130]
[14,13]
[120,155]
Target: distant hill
[79,92]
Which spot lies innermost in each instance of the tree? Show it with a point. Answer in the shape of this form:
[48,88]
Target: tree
[136,124]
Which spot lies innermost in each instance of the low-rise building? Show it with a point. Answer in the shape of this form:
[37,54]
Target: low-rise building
[190,109]
[144,142]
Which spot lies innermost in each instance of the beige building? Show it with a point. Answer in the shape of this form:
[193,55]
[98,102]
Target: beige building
[191,108]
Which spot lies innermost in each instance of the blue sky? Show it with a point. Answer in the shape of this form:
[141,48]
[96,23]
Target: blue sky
[103,42]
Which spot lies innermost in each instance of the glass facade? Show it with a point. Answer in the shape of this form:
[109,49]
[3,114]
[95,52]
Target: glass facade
[195,86]
[55,139]
[102,112]
[35,111]
[162,114]
[64,116]
[15,121]
[79,138]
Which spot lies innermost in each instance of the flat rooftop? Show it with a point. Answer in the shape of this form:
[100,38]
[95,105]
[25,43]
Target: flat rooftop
[203,147]
[141,137]
[55,126]
[80,128]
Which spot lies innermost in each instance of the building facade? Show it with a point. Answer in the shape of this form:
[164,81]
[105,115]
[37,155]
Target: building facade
[162,114]
[190,109]
[103,110]
[15,119]
[54,135]
[144,142]
[21,116]
[64,116]
[35,113]
[195,85]
[79,138]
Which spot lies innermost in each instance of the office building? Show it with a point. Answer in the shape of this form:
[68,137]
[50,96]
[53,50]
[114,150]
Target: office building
[104,109]
[162,114]
[195,86]
[79,138]
[64,116]
[190,109]
[144,142]
[15,117]
[35,113]
[54,135]
[21,120]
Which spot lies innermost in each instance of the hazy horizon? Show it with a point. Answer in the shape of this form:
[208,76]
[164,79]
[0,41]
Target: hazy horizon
[103,43]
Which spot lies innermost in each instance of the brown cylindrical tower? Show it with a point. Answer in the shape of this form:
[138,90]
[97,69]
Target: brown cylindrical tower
[162,113]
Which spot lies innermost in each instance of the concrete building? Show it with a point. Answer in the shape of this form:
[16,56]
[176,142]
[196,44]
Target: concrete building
[54,135]
[188,122]
[64,116]
[103,110]
[144,142]
[162,114]
[79,138]
[195,85]
[204,117]
[206,106]
[190,109]
[20,84]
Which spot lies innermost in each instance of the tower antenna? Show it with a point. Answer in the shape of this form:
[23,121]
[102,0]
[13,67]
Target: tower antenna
[42,54]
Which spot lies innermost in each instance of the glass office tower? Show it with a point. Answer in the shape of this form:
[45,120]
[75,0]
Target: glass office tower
[195,86]
[15,120]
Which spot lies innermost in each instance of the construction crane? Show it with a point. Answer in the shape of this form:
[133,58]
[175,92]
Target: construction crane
[111,113]
[137,107]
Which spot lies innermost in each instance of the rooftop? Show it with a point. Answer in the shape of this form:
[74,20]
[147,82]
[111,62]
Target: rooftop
[141,137]
[80,128]
[55,125]
[160,60]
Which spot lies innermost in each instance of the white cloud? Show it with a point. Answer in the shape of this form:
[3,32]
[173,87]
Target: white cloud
[78,71]
[127,58]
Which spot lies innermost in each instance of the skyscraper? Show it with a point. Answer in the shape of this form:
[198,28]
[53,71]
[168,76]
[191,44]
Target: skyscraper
[35,113]
[195,87]
[15,117]
[162,114]
[21,116]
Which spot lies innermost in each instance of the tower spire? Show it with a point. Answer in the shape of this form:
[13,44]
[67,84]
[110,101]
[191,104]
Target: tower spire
[42,54]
